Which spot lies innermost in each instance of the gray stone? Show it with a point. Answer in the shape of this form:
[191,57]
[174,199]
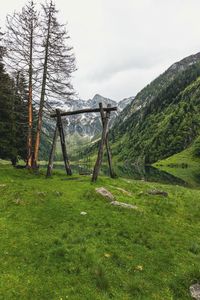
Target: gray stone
[157,192]
[83,213]
[125,205]
[195,291]
[2,185]
[105,193]
[124,191]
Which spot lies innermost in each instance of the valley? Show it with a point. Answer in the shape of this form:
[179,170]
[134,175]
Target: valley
[102,203]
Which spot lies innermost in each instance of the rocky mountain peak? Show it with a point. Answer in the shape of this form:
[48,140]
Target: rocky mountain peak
[89,124]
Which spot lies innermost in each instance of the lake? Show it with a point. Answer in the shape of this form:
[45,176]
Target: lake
[146,173]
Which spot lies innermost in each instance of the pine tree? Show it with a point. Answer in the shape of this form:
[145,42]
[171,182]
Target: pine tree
[22,33]
[7,150]
[13,114]
[21,103]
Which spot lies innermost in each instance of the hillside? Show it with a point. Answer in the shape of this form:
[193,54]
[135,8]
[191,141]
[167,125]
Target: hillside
[184,164]
[164,118]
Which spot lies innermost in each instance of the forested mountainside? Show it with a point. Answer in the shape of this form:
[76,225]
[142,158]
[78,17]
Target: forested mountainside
[164,118]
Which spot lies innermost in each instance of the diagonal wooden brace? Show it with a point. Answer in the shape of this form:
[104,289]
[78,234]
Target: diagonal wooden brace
[52,153]
[63,145]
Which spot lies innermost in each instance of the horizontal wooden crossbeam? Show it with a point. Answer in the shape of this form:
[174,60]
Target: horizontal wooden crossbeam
[82,111]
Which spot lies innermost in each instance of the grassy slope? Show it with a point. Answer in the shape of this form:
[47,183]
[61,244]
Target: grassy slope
[50,251]
[175,165]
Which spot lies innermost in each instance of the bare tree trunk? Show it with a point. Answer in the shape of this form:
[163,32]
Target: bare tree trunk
[57,66]
[42,97]
[30,104]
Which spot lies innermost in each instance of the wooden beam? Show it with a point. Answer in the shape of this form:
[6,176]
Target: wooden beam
[52,153]
[63,145]
[81,111]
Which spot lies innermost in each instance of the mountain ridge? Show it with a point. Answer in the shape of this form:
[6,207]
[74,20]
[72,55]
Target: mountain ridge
[163,119]
[89,124]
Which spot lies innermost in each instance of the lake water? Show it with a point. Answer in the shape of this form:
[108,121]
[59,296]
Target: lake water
[146,173]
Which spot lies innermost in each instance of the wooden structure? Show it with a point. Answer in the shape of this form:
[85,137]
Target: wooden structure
[105,116]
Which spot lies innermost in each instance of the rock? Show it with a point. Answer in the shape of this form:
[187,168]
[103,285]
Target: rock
[18,201]
[107,255]
[139,268]
[105,193]
[124,191]
[195,291]
[2,185]
[41,194]
[157,192]
[125,205]
[83,213]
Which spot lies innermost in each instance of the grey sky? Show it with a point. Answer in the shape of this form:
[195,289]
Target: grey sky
[121,46]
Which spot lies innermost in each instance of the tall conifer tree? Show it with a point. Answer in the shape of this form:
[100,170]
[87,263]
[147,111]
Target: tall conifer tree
[21,39]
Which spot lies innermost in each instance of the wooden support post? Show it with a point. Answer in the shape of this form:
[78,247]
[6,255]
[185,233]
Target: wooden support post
[102,143]
[103,116]
[52,153]
[112,173]
[63,145]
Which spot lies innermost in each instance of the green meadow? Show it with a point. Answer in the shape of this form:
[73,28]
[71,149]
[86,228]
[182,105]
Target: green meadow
[50,249]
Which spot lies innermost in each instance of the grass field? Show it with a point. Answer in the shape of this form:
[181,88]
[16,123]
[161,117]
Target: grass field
[183,165]
[48,250]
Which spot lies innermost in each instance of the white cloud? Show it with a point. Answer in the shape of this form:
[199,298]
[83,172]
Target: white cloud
[121,46]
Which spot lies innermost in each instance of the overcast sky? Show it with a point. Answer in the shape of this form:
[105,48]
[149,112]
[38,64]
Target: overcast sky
[122,45]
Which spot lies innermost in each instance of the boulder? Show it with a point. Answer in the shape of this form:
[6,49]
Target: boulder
[105,193]
[125,205]
[157,192]
[195,291]
[124,191]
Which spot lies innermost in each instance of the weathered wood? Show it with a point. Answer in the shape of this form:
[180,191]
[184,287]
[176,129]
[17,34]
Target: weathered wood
[109,156]
[81,111]
[63,145]
[52,153]
[101,146]
[105,115]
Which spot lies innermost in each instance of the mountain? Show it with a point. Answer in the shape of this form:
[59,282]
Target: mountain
[88,124]
[164,117]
